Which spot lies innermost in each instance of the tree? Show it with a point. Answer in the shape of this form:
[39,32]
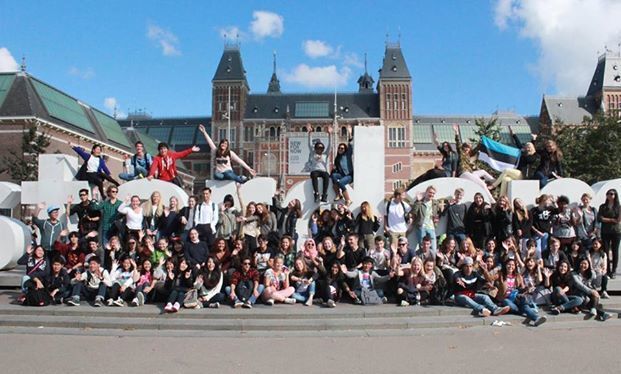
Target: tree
[23,165]
[489,128]
[590,150]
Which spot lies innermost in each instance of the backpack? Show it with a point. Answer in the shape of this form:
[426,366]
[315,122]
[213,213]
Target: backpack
[36,297]
[388,209]
[370,297]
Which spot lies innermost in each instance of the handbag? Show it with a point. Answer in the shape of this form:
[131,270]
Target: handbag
[190,300]
[370,297]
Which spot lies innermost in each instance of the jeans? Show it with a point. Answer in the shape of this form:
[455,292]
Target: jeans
[137,172]
[252,299]
[476,303]
[543,179]
[303,296]
[217,298]
[421,232]
[522,307]
[542,242]
[80,290]
[459,237]
[341,180]
[380,292]
[228,175]
[565,302]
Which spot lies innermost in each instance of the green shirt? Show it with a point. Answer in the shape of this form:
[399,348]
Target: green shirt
[109,214]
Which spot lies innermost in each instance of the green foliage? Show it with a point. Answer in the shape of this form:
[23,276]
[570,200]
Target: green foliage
[23,164]
[590,151]
[490,128]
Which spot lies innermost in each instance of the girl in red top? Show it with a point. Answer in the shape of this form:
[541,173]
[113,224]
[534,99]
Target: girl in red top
[164,165]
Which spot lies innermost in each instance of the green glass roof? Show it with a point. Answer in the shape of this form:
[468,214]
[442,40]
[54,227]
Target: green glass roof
[421,134]
[111,128]
[161,133]
[312,110]
[6,81]
[467,133]
[63,107]
[183,135]
[445,133]
[523,133]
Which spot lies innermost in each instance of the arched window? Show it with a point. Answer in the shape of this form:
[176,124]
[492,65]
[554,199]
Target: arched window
[343,131]
[304,129]
[272,132]
[318,129]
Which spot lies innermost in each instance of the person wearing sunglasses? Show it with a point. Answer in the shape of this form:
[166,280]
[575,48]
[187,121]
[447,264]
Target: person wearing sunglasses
[609,215]
[245,288]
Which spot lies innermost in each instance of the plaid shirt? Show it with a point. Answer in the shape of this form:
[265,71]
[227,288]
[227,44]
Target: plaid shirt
[109,212]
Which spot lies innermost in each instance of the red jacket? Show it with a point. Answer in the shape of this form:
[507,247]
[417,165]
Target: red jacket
[165,168]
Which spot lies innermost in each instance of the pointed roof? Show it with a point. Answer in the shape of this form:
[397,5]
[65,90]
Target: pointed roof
[365,82]
[274,85]
[394,66]
[607,74]
[231,67]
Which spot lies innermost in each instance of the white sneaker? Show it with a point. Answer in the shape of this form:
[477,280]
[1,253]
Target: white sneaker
[176,307]
[270,302]
[290,300]
[485,313]
[140,297]
[238,304]
[110,302]
[134,301]
[331,303]
[605,295]
[119,302]
[168,308]
[215,305]
[404,303]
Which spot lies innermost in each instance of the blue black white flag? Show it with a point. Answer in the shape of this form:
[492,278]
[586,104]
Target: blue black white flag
[498,155]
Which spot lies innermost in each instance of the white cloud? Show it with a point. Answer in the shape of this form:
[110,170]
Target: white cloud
[316,48]
[231,33]
[568,33]
[165,39]
[319,76]
[85,74]
[267,24]
[352,59]
[7,62]
[112,105]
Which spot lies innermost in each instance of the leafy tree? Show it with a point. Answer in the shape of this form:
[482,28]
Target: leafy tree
[489,128]
[23,164]
[590,150]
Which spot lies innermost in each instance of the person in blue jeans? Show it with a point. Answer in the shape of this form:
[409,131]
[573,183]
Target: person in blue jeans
[223,156]
[245,288]
[564,297]
[303,280]
[138,165]
[343,171]
[467,285]
[426,212]
[511,287]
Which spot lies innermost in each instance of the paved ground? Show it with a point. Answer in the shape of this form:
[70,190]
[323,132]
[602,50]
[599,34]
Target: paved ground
[588,349]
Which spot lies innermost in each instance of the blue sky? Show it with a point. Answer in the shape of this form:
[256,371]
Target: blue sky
[465,57]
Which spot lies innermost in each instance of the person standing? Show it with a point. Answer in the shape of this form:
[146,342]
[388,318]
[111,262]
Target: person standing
[109,213]
[50,228]
[426,212]
[609,215]
[397,219]
[206,218]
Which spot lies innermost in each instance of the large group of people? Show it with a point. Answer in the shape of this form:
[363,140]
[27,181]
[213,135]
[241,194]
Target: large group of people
[495,257]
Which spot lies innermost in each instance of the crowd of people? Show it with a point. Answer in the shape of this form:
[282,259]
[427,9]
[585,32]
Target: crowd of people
[495,258]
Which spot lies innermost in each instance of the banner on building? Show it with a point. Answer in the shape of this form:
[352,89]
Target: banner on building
[299,151]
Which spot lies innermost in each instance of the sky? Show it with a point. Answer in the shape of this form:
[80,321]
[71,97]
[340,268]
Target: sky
[465,57]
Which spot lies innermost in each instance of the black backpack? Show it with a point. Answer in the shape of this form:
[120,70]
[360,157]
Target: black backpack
[37,297]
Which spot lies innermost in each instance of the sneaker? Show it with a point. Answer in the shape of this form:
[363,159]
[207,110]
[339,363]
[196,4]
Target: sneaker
[485,313]
[119,302]
[176,307]
[243,179]
[358,301]
[74,301]
[238,304]
[540,321]
[404,303]
[502,311]
[290,300]
[269,302]
[168,308]
[134,302]
[338,197]
[324,198]
[592,312]
[309,302]
[316,196]
[247,305]
[605,295]
[384,300]
[98,302]
[605,317]
[140,297]
[110,302]
[331,303]
[215,305]
[555,311]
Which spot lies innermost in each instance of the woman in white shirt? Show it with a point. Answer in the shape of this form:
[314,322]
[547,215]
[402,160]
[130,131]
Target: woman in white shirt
[133,216]
[223,156]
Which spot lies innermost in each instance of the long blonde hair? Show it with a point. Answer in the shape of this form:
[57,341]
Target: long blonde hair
[147,207]
[368,215]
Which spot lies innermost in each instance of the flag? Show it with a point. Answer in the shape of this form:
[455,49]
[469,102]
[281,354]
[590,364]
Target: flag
[498,155]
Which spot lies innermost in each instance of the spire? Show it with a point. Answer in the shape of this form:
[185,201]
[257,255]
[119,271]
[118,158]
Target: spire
[22,67]
[274,85]
[365,82]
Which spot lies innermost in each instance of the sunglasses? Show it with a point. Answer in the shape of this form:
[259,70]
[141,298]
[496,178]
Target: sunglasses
[114,191]
[402,244]
[246,263]
[83,194]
